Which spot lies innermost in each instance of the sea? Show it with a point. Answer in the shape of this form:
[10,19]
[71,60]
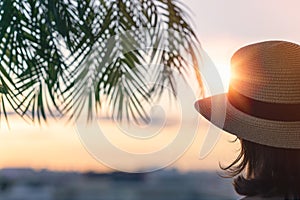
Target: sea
[171,184]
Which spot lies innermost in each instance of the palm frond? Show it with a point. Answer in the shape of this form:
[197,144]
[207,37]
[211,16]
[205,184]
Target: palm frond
[56,56]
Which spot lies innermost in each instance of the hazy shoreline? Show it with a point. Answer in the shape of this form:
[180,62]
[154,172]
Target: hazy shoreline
[26,183]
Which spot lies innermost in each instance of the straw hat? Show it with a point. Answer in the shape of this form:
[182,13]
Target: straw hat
[263,101]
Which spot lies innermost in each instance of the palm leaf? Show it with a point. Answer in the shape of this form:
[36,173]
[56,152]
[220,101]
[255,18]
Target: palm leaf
[56,56]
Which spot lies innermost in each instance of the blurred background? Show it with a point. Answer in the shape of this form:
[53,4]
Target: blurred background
[50,161]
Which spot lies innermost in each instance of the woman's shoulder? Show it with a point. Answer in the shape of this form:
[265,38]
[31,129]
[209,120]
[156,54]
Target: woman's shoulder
[262,198]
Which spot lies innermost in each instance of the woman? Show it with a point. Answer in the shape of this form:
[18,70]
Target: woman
[263,111]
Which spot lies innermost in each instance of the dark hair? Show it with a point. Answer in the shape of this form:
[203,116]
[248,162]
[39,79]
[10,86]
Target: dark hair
[266,171]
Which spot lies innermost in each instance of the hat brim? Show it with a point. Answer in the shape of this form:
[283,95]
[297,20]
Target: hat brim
[218,110]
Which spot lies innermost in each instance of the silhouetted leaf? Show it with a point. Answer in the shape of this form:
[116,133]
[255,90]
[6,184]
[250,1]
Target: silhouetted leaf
[56,55]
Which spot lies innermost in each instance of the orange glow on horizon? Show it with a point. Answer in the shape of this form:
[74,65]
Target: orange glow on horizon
[58,147]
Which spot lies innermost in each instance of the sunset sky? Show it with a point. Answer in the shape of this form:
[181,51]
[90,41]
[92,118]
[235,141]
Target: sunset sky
[222,27]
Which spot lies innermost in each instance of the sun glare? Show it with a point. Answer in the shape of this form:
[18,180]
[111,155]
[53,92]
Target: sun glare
[225,74]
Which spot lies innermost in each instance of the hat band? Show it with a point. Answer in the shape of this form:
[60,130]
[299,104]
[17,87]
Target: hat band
[264,110]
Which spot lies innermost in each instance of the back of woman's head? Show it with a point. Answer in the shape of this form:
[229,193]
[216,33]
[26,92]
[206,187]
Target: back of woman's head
[262,105]
[266,171]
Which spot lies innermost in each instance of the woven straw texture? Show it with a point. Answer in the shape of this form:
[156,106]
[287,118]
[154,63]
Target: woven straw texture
[269,72]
